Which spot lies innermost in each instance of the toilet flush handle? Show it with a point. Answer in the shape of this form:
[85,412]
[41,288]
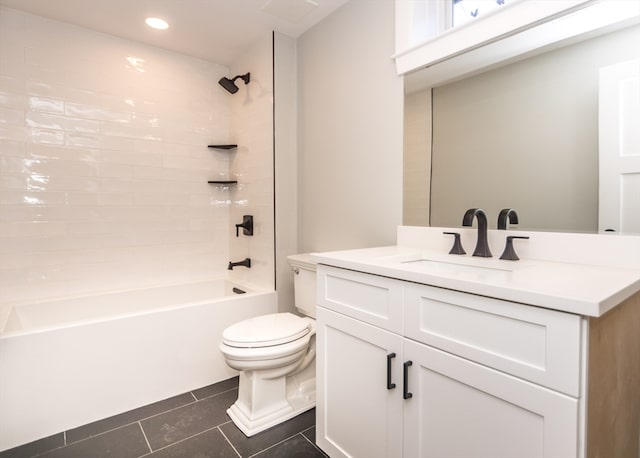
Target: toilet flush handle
[295,270]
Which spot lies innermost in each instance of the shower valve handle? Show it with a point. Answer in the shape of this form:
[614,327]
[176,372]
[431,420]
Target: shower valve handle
[246,225]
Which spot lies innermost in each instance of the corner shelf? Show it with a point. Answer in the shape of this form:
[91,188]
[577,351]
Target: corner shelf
[227,147]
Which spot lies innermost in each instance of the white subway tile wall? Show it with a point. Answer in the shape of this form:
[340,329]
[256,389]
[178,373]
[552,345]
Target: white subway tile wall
[104,164]
[252,164]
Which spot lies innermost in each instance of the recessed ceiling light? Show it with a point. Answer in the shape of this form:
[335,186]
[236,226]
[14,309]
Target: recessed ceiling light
[157,23]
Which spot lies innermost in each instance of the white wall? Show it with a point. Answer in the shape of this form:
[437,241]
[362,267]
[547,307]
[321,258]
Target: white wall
[104,164]
[286,165]
[350,130]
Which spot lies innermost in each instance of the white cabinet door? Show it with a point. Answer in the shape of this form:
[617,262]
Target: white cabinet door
[358,414]
[462,409]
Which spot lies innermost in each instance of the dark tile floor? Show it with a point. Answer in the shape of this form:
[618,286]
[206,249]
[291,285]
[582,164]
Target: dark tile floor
[191,425]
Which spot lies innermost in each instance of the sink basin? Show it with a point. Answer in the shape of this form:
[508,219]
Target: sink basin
[452,267]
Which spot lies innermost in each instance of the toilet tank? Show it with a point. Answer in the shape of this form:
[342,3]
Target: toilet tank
[304,283]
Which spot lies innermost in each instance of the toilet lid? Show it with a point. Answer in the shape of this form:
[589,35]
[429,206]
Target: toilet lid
[266,330]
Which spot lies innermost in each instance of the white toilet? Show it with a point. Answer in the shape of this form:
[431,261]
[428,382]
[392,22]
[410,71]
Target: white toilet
[275,355]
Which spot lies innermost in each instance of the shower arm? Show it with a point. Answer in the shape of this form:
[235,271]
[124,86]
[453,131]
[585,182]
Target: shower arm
[246,78]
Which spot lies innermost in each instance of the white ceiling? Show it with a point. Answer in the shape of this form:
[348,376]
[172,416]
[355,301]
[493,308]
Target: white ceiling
[215,30]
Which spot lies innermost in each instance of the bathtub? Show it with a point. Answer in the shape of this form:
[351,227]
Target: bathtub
[68,362]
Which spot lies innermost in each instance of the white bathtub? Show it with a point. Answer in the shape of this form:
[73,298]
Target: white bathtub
[65,363]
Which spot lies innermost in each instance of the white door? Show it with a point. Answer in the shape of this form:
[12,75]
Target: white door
[619,132]
[358,410]
[460,409]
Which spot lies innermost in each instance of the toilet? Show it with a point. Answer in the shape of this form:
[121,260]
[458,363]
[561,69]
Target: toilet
[275,355]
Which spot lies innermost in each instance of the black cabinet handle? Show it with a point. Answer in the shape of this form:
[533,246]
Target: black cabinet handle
[405,388]
[390,386]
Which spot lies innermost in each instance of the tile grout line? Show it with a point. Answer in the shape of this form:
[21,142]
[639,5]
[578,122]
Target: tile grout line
[309,440]
[45,451]
[212,395]
[144,419]
[186,439]
[273,445]
[91,436]
[107,431]
[145,437]
[227,439]
[196,400]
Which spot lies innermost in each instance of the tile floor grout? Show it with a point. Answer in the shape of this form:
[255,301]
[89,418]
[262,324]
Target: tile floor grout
[143,419]
[271,446]
[78,448]
[146,439]
[152,451]
[211,395]
[228,441]
[309,440]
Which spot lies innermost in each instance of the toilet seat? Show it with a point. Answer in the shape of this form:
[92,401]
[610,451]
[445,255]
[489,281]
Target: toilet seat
[267,331]
[267,341]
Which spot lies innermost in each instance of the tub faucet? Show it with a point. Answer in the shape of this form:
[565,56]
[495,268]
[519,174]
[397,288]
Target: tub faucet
[507,214]
[482,245]
[246,263]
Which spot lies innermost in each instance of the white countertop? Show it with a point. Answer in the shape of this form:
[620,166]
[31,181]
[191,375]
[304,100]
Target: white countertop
[583,289]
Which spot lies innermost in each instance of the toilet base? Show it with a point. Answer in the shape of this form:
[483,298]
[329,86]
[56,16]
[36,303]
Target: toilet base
[300,397]
[252,427]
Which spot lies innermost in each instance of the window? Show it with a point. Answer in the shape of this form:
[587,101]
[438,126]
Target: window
[466,10]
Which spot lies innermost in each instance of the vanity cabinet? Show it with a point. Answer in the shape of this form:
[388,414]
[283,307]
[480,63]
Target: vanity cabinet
[411,370]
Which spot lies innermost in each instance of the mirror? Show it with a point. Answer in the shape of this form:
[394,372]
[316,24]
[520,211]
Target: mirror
[524,136]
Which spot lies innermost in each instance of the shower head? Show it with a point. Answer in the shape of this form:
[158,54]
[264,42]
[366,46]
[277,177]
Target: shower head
[230,85]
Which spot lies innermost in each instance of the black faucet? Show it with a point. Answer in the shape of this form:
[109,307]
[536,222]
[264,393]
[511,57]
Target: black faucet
[507,214]
[245,263]
[482,245]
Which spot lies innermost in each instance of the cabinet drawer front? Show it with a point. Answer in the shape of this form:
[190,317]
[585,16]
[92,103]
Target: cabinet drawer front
[370,298]
[539,345]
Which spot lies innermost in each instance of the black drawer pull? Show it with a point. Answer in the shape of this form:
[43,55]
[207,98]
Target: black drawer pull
[405,388]
[390,386]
